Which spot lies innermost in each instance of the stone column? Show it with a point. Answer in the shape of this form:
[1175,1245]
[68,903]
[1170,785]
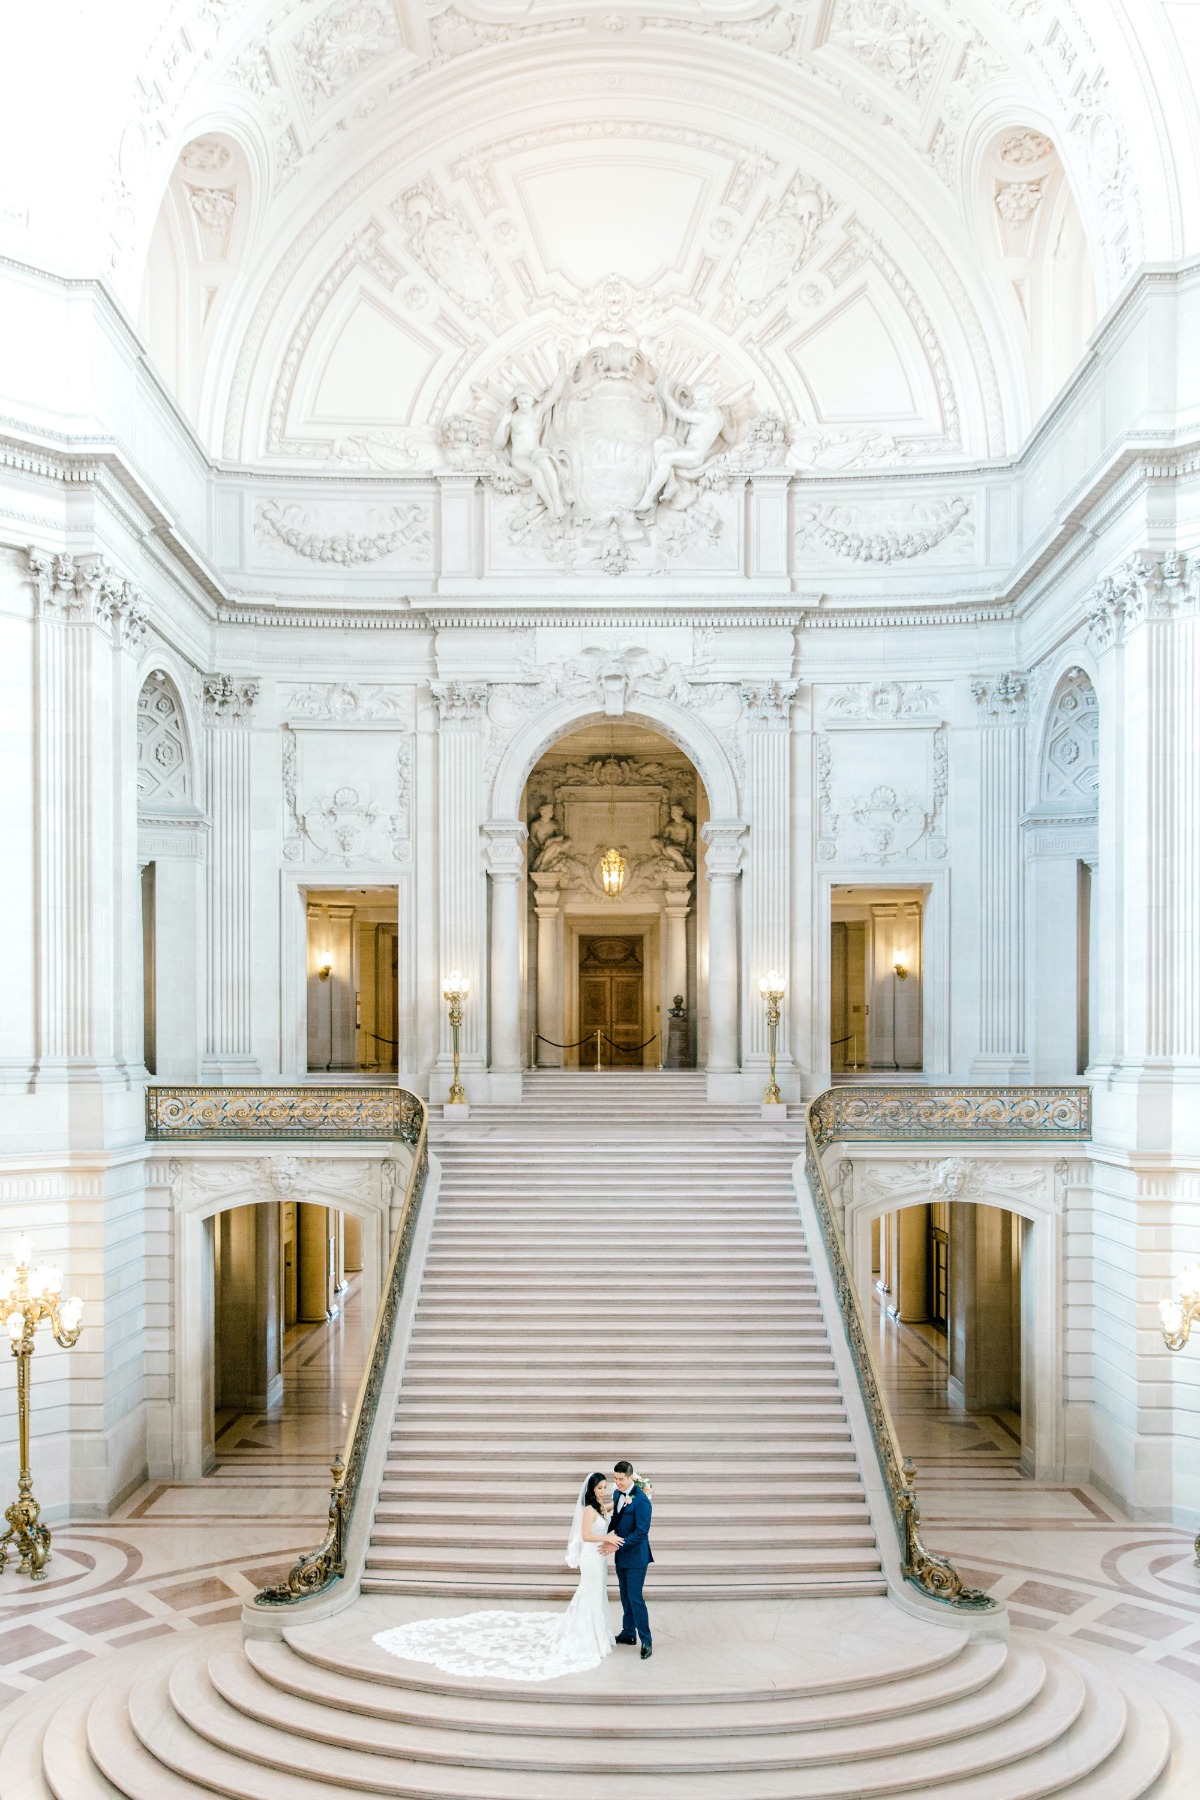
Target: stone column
[89,624]
[767,935]
[1003,1053]
[723,862]
[677,904]
[984,1327]
[548,907]
[504,859]
[228,1039]
[462,881]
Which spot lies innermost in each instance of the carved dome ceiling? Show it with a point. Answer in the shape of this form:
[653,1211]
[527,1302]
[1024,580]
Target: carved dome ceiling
[350,222]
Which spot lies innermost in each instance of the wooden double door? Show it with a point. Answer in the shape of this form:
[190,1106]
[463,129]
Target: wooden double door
[611,988]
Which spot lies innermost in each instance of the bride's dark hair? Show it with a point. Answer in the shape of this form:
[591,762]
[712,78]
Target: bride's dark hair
[589,1492]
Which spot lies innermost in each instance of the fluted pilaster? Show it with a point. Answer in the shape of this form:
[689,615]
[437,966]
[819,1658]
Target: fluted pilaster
[462,882]
[1003,1046]
[229,937]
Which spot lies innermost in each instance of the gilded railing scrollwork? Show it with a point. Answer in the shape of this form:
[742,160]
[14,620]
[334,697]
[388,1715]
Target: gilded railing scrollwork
[327,1113]
[317,1568]
[320,1115]
[984,1115]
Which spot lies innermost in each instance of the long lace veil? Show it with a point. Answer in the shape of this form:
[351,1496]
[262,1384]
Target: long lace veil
[575,1541]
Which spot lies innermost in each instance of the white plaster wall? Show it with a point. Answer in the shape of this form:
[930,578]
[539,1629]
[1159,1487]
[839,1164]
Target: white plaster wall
[974,650]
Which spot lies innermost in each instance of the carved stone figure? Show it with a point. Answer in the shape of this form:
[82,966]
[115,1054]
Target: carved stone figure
[547,842]
[677,840]
[520,428]
[676,461]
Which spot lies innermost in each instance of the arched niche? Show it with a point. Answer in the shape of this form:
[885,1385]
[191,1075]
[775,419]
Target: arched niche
[1069,763]
[166,769]
[1032,233]
[195,253]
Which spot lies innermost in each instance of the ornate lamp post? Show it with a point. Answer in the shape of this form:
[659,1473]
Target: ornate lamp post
[771,986]
[455,989]
[29,1296]
[1178,1316]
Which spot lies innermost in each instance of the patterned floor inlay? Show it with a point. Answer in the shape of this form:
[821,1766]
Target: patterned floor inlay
[178,1556]
[1065,1559]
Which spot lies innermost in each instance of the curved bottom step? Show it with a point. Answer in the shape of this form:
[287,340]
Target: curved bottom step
[818,1700]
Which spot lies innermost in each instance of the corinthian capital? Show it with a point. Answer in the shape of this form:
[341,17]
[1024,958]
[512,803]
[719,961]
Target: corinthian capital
[227,699]
[464,701]
[1002,699]
[88,592]
[1144,587]
[768,704]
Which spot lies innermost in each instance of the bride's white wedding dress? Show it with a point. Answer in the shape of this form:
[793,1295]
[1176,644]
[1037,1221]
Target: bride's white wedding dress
[512,1646]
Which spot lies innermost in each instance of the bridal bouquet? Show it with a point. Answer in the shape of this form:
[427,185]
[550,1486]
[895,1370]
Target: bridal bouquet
[639,1481]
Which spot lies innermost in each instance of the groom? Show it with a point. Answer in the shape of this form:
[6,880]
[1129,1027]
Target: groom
[629,1542]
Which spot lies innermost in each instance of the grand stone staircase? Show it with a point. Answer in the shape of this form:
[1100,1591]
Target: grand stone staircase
[615,1268]
[602,1282]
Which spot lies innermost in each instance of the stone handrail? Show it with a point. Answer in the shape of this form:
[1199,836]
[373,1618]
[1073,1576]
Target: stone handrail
[945,1114]
[319,1114]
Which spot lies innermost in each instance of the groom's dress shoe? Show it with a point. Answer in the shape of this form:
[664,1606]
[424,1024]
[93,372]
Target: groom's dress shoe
[647,1652]
[626,1640]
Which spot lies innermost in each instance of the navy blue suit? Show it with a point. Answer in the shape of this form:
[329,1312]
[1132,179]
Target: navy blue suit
[632,1525]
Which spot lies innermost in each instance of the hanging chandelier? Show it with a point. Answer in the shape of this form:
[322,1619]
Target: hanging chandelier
[613,867]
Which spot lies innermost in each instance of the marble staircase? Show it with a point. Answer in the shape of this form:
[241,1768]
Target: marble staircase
[614,1268]
[607,1278]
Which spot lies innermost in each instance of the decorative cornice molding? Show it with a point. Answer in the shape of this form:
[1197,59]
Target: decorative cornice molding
[89,592]
[228,699]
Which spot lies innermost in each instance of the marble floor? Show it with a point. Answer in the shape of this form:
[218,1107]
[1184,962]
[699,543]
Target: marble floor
[1068,1562]
[179,1557]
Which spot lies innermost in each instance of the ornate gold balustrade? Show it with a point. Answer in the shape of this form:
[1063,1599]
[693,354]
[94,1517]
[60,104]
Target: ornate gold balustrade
[320,1115]
[326,1114]
[981,1115]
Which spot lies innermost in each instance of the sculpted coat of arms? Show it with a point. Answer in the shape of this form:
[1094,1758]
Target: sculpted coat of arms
[613,456]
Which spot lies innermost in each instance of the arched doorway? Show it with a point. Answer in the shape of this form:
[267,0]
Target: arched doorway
[611,972]
[966,1254]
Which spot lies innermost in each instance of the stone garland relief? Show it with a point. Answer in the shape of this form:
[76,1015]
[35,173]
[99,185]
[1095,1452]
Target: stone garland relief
[888,532]
[347,537]
[344,823]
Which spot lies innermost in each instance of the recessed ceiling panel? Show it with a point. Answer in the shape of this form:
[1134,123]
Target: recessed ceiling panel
[627,217]
[854,368]
[373,371]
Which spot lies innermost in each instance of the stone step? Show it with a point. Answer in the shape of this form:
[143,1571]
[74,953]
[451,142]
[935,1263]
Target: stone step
[397,1505]
[739,1558]
[692,1589]
[392,1530]
[226,1728]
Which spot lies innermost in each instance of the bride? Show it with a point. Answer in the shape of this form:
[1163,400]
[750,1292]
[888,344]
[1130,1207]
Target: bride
[516,1646]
